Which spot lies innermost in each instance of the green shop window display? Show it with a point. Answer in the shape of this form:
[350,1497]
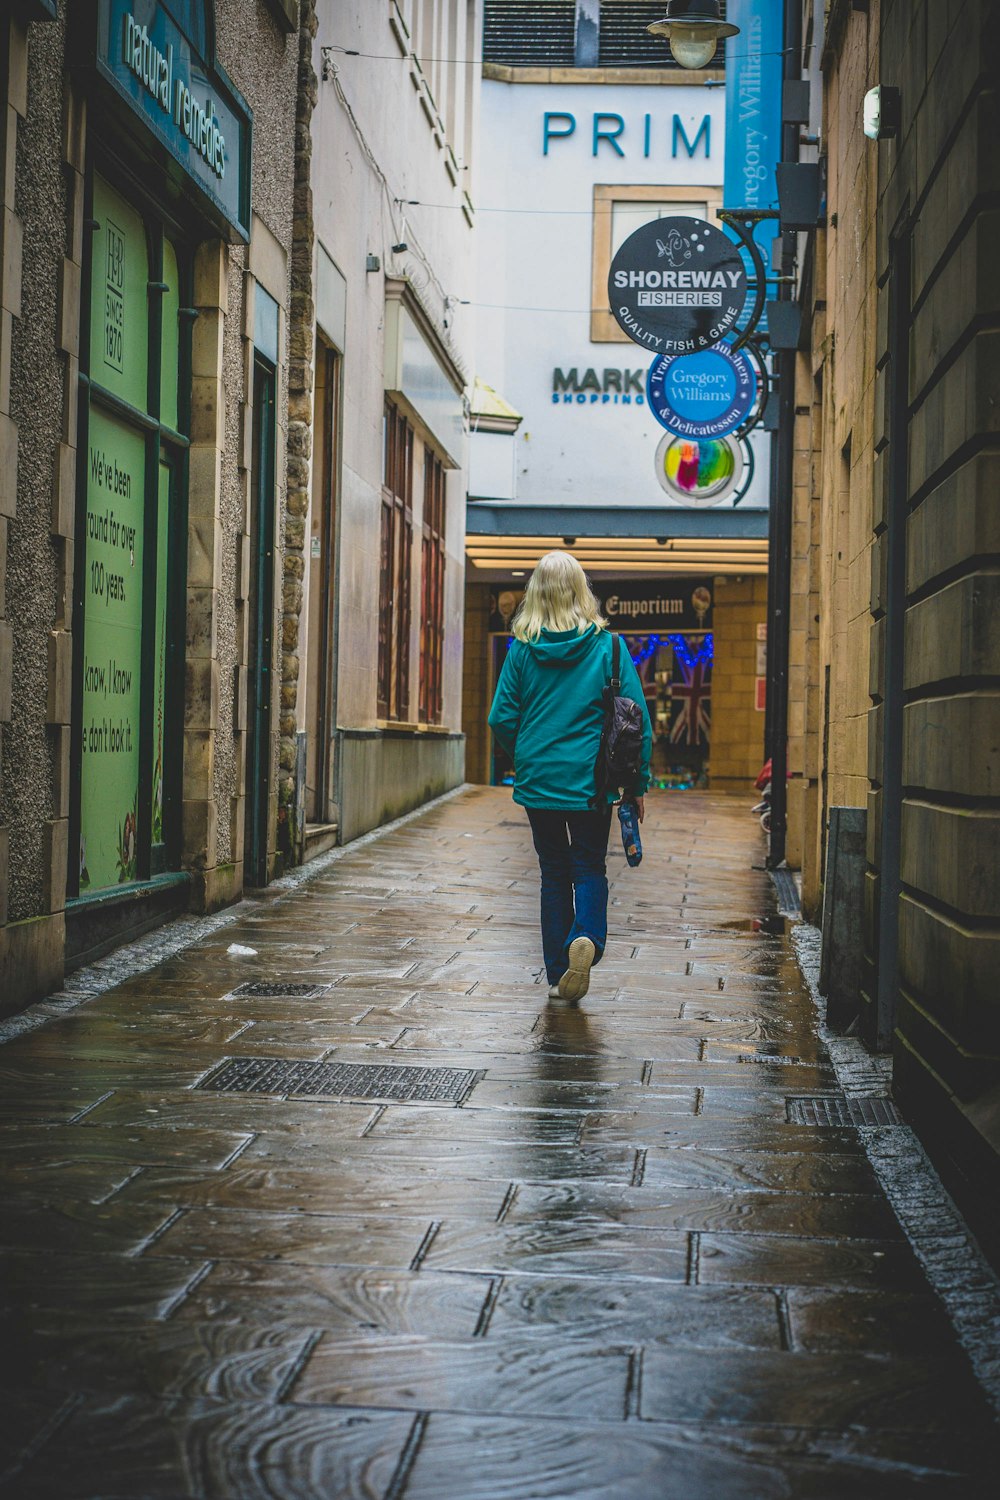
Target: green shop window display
[130,584]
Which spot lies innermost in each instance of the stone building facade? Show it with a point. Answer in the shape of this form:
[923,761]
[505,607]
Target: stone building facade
[380,371]
[833,533]
[894,708]
[145,253]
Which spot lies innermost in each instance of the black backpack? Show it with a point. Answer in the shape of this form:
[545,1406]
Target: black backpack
[619,755]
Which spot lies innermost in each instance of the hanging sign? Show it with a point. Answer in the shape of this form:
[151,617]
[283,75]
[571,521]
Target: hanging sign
[754,72]
[189,107]
[706,395]
[702,471]
[677,285]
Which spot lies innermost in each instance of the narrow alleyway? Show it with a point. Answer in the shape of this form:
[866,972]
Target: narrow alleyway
[613,1270]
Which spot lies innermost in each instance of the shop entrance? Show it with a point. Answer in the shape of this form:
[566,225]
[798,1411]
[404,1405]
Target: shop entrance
[130,563]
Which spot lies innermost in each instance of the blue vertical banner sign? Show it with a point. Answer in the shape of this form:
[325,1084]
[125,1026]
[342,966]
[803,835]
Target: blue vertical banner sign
[754,76]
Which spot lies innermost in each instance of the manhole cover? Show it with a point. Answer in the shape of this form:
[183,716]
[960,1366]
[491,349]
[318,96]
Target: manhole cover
[827,1109]
[273,1075]
[264,990]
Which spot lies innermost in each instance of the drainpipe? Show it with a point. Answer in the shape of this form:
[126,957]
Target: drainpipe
[779,593]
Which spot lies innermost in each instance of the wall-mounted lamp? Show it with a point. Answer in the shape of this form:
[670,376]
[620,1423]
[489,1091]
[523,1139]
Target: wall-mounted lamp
[883,112]
[373,263]
[694,28]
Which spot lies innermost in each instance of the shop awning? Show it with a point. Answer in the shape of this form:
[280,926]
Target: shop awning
[504,537]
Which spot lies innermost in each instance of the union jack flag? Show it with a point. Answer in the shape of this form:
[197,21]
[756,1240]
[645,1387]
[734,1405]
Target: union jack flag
[692,699]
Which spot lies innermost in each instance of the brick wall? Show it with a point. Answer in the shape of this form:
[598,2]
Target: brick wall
[737,752]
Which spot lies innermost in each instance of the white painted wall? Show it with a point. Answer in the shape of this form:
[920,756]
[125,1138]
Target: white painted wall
[383,131]
[534,287]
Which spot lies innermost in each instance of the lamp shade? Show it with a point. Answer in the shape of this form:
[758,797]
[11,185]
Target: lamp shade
[698,15]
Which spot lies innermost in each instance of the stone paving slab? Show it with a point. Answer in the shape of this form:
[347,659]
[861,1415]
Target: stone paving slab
[511,1376]
[343,1300]
[638,1313]
[614,1271]
[509,1459]
[162,1450]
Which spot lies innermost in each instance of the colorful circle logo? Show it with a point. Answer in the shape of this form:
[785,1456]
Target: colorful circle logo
[699,473]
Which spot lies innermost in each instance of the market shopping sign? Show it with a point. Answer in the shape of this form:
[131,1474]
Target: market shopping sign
[677,286]
[706,395]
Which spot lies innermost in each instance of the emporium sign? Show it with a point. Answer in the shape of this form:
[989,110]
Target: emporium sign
[677,285]
[702,396]
[633,607]
[191,110]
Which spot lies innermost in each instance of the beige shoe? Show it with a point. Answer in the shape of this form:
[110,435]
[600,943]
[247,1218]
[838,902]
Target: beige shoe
[576,981]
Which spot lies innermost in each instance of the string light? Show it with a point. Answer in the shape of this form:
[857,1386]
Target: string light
[702,657]
[645,652]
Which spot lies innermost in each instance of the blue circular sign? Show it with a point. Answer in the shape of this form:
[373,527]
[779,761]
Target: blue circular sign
[705,395]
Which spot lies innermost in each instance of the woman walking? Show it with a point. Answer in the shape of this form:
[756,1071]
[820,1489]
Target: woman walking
[547,714]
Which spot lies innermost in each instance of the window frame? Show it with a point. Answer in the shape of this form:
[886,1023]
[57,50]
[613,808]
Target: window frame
[603,327]
[395,567]
[433,563]
[166,446]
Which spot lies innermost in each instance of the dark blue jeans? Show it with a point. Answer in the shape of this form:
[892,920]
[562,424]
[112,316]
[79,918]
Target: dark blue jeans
[571,848]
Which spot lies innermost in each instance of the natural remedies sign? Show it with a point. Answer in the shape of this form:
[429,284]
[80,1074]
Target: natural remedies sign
[112,653]
[190,108]
[677,285]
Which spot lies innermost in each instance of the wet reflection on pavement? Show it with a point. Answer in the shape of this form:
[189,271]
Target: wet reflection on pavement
[614,1270]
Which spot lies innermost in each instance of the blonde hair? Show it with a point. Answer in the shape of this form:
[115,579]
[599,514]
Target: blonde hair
[558,597]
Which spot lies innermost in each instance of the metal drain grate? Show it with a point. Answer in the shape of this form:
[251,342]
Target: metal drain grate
[827,1109]
[261,990]
[776,1059]
[273,1075]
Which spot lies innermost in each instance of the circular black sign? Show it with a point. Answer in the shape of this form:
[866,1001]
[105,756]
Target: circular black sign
[677,286]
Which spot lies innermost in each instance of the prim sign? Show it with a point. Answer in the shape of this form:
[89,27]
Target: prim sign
[677,285]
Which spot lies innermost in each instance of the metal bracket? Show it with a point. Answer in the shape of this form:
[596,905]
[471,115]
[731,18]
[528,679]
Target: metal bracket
[743,222]
[753,348]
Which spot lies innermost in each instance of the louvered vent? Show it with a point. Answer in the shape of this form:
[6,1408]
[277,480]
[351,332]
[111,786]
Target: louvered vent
[625,42]
[542,33]
[530,33]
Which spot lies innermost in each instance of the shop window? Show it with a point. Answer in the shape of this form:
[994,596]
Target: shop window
[395,562]
[619,212]
[129,563]
[432,592]
[321,714]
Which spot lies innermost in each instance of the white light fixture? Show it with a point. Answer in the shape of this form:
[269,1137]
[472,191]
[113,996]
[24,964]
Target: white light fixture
[694,28]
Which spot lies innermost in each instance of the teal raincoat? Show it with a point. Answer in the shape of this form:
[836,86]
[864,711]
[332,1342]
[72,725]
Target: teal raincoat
[548,711]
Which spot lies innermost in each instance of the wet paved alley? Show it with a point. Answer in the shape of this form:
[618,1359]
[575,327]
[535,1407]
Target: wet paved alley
[583,1255]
